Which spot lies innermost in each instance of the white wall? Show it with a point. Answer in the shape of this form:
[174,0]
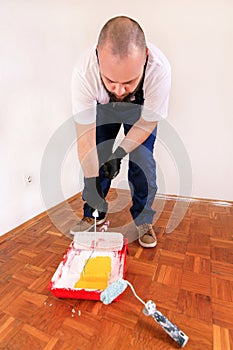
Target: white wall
[39,44]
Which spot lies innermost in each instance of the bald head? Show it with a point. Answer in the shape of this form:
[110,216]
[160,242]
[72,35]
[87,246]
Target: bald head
[122,35]
[122,55]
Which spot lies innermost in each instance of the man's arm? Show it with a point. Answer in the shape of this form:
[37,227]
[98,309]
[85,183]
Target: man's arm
[87,152]
[92,194]
[139,132]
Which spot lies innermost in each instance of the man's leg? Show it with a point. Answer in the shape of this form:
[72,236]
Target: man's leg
[142,182]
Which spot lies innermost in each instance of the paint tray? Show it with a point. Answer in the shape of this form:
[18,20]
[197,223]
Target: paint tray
[78,258]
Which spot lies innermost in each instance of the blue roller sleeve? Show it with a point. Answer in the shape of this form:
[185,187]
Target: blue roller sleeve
[175,333]
[113,291]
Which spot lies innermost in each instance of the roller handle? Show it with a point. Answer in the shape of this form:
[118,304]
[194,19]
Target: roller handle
[172,330]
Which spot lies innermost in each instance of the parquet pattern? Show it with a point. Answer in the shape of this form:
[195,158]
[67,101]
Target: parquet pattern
[189,275]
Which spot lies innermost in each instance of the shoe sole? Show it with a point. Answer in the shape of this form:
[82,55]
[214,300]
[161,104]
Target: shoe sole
[147,245]
[99,222]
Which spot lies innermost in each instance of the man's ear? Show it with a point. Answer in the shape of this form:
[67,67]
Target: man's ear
[96,51]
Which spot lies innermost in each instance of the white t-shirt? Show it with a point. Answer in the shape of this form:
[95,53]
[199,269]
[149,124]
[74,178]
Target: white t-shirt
[87,88]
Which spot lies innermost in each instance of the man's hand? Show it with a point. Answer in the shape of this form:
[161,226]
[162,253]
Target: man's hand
[94,196]
[112,167]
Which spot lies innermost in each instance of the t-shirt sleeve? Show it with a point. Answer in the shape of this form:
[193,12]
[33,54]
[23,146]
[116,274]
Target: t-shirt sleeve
[83,99]
[157,95]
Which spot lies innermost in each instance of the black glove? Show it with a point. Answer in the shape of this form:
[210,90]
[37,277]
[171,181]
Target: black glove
[112,167]
[94,196]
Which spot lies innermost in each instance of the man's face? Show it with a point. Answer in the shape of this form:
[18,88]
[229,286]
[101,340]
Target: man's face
[121,76]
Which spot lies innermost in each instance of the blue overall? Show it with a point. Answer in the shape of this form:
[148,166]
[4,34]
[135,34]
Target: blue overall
[142,166]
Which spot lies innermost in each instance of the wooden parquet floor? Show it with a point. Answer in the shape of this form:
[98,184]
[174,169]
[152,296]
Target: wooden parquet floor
[189,275]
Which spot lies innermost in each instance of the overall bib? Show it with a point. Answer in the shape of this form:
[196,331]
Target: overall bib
[142,166]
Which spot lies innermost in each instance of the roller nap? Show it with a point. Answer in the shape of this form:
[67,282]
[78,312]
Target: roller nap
[113,291]
[106,241]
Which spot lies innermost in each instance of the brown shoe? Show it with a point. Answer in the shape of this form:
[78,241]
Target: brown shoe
[85,224]
[147,236]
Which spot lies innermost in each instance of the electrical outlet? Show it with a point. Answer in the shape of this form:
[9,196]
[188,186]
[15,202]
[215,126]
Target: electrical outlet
[28,179]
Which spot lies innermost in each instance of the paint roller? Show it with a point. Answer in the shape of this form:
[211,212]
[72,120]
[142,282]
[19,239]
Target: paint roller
[98,240]
[119,286]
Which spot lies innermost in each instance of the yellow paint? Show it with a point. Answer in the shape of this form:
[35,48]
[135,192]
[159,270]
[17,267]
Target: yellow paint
[96,274]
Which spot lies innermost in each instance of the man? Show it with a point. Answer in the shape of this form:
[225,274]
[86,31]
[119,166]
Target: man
[122,81]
